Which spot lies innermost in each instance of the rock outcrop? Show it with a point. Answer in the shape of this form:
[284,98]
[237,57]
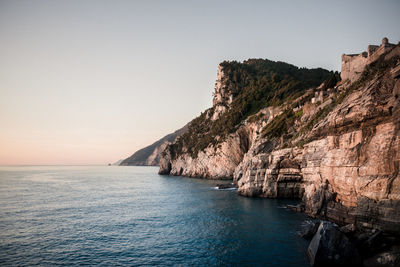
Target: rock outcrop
[217,140]
[214,162]
[330,247]
[222,97]
[344,246]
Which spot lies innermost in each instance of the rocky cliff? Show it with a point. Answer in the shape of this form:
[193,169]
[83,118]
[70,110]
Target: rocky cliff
[150,155]
[217,140]
[335,146]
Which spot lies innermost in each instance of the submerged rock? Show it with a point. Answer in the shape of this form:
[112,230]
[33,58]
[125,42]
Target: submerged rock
[296,208]
[225,186]
[330,247]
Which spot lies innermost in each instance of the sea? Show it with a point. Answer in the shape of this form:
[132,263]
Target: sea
[131,216]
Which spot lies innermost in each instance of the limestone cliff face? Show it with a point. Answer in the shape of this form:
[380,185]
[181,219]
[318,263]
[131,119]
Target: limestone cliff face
[336,147]
[209,149]
[349,173]
[222,97]
[215,162]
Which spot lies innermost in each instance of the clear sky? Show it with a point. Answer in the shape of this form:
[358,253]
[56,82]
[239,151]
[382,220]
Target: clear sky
[90,82]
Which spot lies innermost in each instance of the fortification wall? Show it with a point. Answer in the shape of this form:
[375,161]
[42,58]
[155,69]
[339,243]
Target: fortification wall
[353,65]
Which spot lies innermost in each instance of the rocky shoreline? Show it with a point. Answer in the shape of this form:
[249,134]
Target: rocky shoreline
[336,147]
[331,245]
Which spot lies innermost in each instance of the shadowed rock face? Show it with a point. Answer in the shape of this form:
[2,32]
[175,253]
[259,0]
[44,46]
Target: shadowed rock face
[340,155]
[330,247]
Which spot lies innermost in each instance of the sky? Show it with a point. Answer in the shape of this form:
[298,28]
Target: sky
[90,82]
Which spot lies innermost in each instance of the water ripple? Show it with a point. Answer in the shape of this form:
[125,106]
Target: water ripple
[124,216]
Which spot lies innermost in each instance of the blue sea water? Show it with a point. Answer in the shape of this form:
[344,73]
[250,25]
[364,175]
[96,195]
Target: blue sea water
[91,215]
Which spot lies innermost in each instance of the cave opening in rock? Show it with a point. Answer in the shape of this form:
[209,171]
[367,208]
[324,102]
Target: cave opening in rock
[289,189]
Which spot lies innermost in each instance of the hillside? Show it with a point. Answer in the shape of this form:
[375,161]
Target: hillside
[150,155]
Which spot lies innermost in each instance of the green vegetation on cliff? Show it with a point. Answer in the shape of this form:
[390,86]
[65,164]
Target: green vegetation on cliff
[253,85]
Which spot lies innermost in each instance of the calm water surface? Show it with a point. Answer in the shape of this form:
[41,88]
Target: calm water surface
[132,216]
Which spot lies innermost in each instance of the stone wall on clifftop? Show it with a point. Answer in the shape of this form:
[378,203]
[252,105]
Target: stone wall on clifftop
[354,64]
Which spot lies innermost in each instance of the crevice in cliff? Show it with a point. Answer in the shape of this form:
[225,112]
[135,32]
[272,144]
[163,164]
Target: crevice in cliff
[393,177]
